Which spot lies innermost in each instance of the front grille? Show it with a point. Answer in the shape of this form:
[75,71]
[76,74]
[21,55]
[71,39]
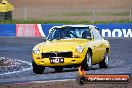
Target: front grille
[57,54]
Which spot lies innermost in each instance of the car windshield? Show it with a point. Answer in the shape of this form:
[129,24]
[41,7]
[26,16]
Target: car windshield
[69,32]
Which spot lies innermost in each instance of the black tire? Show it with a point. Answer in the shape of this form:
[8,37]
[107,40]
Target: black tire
[58,69]
[38,69]
[105,61]
[87,63]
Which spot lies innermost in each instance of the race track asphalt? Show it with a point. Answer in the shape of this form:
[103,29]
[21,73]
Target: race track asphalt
[21,49]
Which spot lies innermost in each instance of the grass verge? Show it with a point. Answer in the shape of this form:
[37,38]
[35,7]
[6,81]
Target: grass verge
[59,22]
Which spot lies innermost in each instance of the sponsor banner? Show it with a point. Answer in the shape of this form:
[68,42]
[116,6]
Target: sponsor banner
[29,30]
[33,30]
[116,29]
[107,30]
[42,30]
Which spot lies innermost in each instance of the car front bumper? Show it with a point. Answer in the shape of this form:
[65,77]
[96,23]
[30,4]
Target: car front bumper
[47,63]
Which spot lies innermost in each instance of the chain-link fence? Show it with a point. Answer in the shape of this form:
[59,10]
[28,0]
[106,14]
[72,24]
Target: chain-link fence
[72,15]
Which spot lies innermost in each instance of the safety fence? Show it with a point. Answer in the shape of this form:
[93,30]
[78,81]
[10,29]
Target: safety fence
[91,15]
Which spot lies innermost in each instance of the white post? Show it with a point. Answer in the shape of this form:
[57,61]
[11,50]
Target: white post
[25,14]
[130,16]
[93,16]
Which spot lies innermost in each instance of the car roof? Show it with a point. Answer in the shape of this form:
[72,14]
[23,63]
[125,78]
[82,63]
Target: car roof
[78,25]
[90,26]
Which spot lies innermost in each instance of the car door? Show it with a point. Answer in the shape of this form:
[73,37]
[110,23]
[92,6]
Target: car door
[101,43]
[103,48]
[97,45]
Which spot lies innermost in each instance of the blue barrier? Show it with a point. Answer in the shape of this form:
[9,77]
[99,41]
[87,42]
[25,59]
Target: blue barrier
[116,29]
[46,27]
[7,29]
[107,30]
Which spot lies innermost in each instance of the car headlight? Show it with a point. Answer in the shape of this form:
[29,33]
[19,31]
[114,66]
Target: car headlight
[79,49]
[36,50]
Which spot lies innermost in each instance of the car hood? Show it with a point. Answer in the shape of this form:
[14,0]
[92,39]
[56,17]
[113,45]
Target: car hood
[63,45]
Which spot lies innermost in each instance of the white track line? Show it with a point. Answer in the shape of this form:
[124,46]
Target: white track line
[24,62]
[15,71]
[61,80]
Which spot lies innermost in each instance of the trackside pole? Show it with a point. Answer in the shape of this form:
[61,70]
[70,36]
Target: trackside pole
[130,16]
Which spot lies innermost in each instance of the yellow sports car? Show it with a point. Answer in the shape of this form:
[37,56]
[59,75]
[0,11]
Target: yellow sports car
[71,46]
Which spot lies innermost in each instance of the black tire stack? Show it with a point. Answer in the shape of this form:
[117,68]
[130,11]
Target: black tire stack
[6,15]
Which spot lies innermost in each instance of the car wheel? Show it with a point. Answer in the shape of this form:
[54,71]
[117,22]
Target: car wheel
[37,68]
[104,63]
[87,63]
[58,69]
